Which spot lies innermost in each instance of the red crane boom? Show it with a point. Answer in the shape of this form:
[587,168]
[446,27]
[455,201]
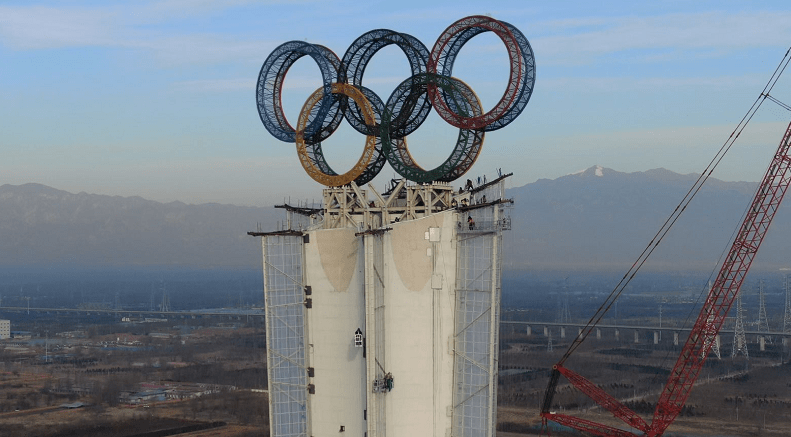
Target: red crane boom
[712,316]
[709,322]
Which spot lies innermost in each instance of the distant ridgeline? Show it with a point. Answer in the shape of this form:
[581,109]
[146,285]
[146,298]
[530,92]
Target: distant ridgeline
[598,219]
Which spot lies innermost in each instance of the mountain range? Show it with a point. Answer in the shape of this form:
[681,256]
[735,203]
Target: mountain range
[42,225]
[597,219]
[603,219]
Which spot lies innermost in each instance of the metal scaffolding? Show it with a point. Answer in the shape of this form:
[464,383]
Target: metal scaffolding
[477,319]
[284,295]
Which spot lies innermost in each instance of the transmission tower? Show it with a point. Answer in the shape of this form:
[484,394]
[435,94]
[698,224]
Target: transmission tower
[165,306]
[715,348]
[787,312]
[739,338]
[564,315]
[660,320]
[763,321]
[615,313]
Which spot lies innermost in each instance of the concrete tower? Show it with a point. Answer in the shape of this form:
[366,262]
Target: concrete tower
[383,312]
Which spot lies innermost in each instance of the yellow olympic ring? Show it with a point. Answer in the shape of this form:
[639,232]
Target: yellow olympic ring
[330,178]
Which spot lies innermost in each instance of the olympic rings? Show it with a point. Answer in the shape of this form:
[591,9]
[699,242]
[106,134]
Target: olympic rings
[386,126]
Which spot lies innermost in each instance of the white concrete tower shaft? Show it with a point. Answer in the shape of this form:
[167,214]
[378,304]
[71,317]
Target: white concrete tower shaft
[383,313]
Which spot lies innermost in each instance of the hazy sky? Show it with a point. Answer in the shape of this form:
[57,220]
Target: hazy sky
[157,98]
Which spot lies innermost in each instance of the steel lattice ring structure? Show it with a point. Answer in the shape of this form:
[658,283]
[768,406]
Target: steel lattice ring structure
[524,81]
[360,53]
[468,146]
[444,53]
[270,87]
[310,153]
[386,126]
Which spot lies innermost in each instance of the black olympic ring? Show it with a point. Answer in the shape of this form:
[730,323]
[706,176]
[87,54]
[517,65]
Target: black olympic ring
[462,100]
[386,126]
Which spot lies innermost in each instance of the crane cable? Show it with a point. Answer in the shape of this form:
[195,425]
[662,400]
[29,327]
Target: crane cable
[705,290]
[671,220]
[781,104]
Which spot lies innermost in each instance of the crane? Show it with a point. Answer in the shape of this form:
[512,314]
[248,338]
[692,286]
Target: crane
[708,324]
[720,296]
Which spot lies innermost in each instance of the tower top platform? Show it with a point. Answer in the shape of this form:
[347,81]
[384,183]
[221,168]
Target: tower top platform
[365,209]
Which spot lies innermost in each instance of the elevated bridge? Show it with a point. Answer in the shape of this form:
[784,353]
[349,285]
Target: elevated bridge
[230,314]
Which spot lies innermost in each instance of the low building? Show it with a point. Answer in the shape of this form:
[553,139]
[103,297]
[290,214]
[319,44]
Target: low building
[142,397]
[5,329]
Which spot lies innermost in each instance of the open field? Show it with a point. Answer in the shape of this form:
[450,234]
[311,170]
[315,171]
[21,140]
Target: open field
[137,380]
[733,396]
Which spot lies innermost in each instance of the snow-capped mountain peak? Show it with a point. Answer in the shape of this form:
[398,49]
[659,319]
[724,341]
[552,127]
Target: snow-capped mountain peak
[596,170]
